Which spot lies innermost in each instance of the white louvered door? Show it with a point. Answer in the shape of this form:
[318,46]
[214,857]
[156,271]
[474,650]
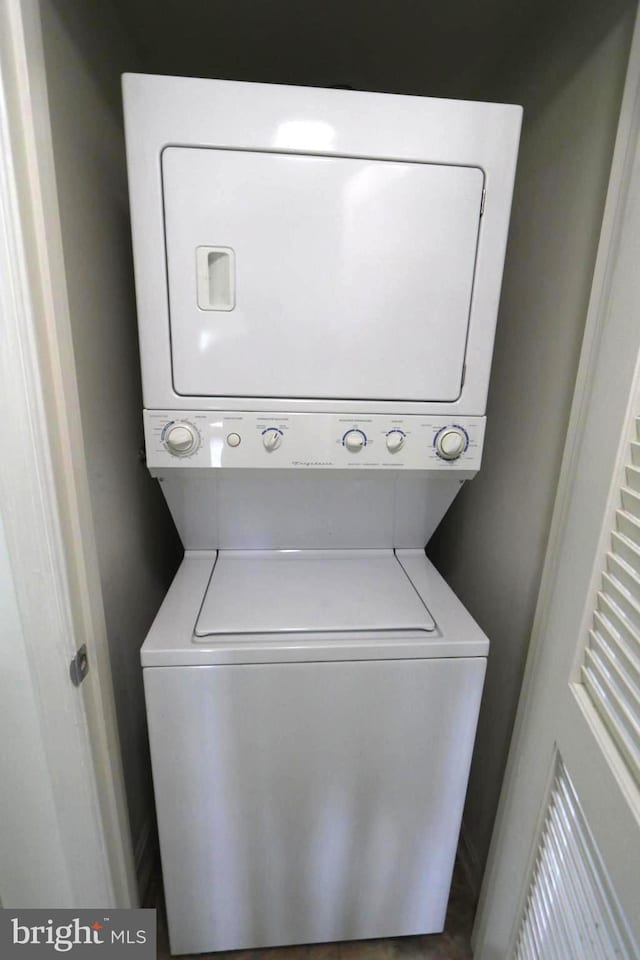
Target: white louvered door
[563,878]
[610,670]
[580,887]
[571,910]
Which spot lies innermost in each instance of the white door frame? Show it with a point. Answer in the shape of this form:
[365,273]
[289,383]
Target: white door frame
[597,433]
[44,497]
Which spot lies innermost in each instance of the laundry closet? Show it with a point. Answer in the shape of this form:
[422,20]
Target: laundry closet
[565,65]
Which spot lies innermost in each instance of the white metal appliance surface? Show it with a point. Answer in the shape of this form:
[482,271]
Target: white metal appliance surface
[309,781]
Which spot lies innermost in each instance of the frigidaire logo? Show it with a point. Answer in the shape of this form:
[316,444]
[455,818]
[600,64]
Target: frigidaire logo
[34,933]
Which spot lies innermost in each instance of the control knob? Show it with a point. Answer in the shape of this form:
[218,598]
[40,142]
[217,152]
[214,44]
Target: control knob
[271,438]
[451,442]
[181,439]
[354,440]
[395,440]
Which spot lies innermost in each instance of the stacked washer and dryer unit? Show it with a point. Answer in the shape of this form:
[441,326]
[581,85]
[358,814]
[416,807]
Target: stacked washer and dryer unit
[318,275]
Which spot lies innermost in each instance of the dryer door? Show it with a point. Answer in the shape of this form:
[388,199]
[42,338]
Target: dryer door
[318,277]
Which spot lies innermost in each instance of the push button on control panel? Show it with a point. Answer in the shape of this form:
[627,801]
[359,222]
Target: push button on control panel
[234,439]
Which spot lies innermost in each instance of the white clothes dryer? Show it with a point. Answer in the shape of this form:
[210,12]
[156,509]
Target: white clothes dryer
[311,719]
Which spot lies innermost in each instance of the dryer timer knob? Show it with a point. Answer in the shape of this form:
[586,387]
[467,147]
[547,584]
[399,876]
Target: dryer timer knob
[395,440]
[271,439]
[354,440]
[181,439]
[451,442]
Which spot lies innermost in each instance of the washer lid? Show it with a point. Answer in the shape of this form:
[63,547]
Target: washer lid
[310,591]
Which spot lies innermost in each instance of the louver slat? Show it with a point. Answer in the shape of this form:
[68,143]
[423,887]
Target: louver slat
[630,501]
[610,671]
[629,526]
[627,550]
[616,676]
[633,477]
[571,911]
[617,645]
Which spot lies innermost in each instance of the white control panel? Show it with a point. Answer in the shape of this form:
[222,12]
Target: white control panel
[207,439]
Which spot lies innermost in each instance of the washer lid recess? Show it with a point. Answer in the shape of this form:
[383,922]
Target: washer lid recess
[309,591]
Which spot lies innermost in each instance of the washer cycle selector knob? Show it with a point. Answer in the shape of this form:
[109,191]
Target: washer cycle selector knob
[395,440]
[271,438]
[181,439]
[354,440]
[451,442]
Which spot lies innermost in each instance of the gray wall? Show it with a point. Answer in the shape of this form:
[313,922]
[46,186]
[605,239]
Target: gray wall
[490,547]
[85,51]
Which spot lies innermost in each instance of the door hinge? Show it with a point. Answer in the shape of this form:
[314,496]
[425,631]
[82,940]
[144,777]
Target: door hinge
[482,201]
[79,667]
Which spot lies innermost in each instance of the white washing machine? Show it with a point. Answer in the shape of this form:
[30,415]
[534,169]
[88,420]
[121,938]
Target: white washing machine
[318,274]
[311,733]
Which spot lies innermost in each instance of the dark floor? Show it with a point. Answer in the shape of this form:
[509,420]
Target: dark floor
[453,944]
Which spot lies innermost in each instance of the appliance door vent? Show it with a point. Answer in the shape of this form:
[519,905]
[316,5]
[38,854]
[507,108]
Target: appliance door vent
[610,671]
[571,911]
